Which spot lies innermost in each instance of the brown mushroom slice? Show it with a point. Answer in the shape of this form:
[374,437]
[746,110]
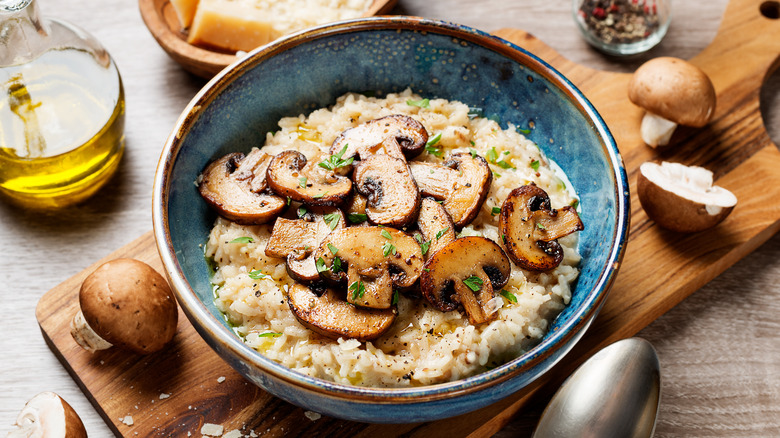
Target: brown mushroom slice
[232,185]
[387,183]
[396,135]
[373,260]
[435,225]
[673,92]
[531,228]
[291,175]
[47,415]
[463,183]
[296,240]
[466,271]
[335,318]
[355,208]
[682,198]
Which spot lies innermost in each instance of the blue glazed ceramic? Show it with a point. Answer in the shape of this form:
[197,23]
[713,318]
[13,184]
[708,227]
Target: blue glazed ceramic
[310,70]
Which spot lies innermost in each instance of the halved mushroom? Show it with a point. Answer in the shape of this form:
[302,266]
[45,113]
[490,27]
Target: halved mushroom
[673,92]
[435,225]
[393,197]
[335,318]
[296,240]
[290,175]
[47,415]
[531,228]
[463,183]
[466,271]
[387,136]
[682,198]
[233,185]
[373,260]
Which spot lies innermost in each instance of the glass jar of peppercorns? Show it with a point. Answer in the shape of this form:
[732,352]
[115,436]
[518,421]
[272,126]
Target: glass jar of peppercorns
[623,27]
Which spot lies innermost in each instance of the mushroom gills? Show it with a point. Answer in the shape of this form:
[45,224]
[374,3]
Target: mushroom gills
[335,318]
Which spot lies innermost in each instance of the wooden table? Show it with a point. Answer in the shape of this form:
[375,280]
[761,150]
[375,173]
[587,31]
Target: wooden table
[719,349]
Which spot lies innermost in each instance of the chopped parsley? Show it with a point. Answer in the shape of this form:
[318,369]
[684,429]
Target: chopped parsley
[575,203]
[492,155]
[473,152]
[508,295]
[336,267]
[245,239]
[424,103]
[332,248]
[441,232]
[495,210]
[474,283]
[332,220]
[386,235]
[302,182]
[424,247]
[269,334]
[357,217]
[395,298]
[320,264]
[540,226]
[334,161]
[523,131]
[388,248]
[302,211]
[535,165]
[358,289]
[320,195]
[429,147]
[258,275]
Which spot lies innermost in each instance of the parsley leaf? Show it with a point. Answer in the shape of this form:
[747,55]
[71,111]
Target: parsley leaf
[524,131]
[334,161]
[302,211]
[388,248]
[320,195]
[269,334]
[492,155]
[357,217]
[395,298]
[508,295]
[258,275]
[540,226]
[575,203]
[474,283]
[302,182]
[245,239]
[358,289]
[332,248]
[441,232]
[386,235]
[332,220]
[424,247]
[495,210]
[320,265]
[424,103]
[473,152]
[336,267]
[535,165]
[434,140]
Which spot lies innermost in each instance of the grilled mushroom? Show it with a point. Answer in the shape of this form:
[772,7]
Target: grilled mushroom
[234,186]
[393,198]
[531,228]
[373,260]
[296,240]
[387,136]
[463,183]
[466,271]
[335,318]
[436,227]
[290,175]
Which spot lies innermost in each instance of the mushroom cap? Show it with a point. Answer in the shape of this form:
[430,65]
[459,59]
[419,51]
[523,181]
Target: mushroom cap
[435,226]
[397,135]
[335,318]
[675,90]
[444,279]
[291,175]
[130,305]
[48,415]
[682,198]
[531,228]
[387,182]
[233,185]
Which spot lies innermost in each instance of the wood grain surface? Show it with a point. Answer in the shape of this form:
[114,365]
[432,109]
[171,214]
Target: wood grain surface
[719,348]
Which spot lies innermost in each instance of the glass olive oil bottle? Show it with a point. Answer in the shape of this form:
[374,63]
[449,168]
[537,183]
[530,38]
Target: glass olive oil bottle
[61,110]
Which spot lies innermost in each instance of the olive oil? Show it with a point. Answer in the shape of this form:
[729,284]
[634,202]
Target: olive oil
[61,127]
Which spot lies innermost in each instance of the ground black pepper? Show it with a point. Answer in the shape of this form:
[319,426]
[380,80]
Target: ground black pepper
[619,21]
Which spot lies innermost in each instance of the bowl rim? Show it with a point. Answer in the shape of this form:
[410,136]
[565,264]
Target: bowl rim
[206,322]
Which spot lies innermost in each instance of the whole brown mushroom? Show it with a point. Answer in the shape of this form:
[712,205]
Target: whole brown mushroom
[673,92]
[125,303]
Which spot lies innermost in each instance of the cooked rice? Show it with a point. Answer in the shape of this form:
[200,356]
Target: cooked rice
[424,346]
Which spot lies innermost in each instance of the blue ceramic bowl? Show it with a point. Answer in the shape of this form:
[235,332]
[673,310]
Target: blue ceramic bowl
[310,70]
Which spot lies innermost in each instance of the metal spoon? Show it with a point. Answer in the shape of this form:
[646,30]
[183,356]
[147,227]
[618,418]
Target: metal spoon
[615,393]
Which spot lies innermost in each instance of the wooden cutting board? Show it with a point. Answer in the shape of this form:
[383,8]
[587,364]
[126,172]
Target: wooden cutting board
[177,391]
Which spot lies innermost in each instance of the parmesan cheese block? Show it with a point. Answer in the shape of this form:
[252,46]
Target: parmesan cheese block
[185,11]
[229,25]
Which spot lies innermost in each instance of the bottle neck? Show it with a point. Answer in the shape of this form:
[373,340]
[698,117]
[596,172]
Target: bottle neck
[23,34]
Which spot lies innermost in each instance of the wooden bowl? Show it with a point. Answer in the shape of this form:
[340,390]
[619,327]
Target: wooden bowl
[162,22]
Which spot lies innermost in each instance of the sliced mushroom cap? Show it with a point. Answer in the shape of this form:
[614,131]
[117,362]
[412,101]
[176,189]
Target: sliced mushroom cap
[531,228]
[335,318]
[47,415]
[682,198]
[673,92]
[373,260]
[435,225]
[386,136]
[463,183]
[466,271]
[393,197]
[233,185]
[296,240]
[126,303]
[290,175]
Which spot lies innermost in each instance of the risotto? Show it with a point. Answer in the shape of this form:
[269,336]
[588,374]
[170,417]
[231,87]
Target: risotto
[424,345]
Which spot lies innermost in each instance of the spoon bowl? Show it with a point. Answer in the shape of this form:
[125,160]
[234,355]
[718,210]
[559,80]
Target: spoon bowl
[614,393]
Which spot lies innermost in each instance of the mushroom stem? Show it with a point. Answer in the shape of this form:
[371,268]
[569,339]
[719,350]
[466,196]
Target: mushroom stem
[84,335]
[656,130]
